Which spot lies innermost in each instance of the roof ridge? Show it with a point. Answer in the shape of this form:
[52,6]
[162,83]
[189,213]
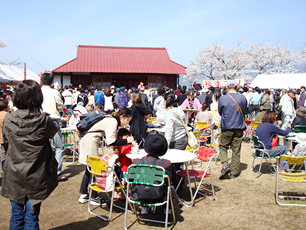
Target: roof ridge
[122,47]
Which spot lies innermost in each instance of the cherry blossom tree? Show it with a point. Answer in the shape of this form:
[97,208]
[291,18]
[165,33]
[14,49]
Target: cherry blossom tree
[270,59]
[15,62]
[2,45]
[217,62]
[302,59]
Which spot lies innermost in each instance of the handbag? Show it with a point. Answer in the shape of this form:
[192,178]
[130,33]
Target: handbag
[238,106]
[149,192]
[274,141]
[192,140]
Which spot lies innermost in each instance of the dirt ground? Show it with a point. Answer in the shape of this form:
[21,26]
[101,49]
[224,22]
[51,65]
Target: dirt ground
[242,203]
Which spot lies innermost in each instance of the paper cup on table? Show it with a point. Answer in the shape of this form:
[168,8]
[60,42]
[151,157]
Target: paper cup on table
[135,149]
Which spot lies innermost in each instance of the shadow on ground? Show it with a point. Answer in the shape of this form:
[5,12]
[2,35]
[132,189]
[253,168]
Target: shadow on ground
[91,223]
[158,215]
[73,170]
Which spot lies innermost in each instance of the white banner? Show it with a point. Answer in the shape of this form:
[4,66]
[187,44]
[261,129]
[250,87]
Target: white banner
[218,83]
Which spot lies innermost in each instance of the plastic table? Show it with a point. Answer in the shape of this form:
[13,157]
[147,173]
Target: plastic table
[162,129]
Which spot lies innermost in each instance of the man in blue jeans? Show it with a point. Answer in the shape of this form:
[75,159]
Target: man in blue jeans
[231,108]
[53,105]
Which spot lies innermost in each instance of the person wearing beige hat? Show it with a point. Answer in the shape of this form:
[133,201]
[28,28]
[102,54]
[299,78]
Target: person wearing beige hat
[265,107]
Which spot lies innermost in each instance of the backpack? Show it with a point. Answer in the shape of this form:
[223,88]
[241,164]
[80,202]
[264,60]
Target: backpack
[85,124]
[82,98]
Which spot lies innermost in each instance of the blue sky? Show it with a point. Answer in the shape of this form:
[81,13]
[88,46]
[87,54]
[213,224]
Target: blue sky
[50,30]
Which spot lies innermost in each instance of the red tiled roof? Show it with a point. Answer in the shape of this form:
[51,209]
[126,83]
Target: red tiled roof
[107,59]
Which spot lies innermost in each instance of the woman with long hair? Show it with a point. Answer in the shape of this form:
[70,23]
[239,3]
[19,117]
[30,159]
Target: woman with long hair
[30,168]
[159,106]
[91,101]
[215,99]
[137,125]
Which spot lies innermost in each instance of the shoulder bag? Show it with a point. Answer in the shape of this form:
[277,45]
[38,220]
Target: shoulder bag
[192,140]
[238,107]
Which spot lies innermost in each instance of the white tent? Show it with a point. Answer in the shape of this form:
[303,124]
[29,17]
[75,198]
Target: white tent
[14,73]
[279,81]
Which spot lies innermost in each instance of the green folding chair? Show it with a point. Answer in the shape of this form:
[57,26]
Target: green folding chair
[296,176]
[264,155]
[299,129]
[151,175]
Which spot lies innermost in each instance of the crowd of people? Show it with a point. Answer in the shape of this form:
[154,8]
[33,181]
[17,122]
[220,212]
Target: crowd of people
[31,170]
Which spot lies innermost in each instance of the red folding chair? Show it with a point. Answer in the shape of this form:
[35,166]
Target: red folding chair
[204,155]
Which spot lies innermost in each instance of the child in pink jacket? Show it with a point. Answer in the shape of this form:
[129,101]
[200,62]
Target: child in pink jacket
[191,102]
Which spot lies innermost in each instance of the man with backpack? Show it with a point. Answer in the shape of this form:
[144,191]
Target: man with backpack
[82,97]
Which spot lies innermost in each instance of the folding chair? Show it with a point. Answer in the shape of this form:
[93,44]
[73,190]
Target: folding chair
[150,119]
[254,125]
[264,155]
[98,167]
[151,175]
[69,143]
[299,129]
[298,176]
[192,150]
[248,131]
[205,155]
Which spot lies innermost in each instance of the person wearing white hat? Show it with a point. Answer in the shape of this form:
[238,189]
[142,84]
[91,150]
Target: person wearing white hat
[300,148]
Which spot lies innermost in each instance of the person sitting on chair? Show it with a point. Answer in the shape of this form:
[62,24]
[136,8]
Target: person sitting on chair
[266,131]
[155,146]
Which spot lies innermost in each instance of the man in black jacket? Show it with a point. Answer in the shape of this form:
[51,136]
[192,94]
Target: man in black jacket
[181,98]
[231,108]
[208,99]
[144,97]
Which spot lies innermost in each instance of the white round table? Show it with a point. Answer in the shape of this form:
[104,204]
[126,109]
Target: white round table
[173,155]
[162,129]
[69,128]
